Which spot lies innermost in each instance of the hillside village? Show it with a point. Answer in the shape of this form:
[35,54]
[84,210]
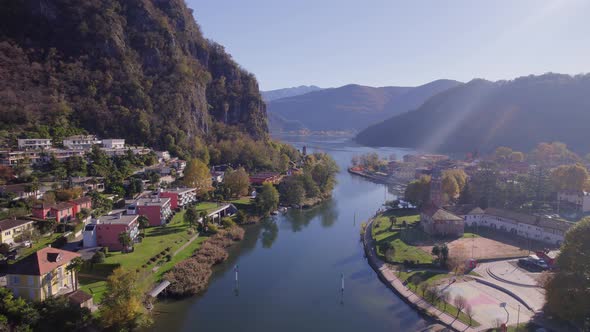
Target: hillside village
[68,223]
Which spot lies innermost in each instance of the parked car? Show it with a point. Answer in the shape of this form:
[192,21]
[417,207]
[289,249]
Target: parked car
[531,264]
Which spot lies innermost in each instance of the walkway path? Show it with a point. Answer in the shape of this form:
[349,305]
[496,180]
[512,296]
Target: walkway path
[185,245]
[406,294]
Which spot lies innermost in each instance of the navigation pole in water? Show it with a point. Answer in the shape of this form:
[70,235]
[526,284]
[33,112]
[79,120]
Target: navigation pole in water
[342,288]
[236,289]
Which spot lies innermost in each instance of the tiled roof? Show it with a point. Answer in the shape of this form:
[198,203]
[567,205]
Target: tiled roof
[62,206]
[82,200]
[79,296]
[42,261]
[437,213]
[530,219]
[12,223]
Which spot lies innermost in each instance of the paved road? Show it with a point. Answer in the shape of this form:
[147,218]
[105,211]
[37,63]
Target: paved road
[404,291]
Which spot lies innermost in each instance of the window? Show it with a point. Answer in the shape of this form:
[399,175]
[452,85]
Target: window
[15,280]
[7,233]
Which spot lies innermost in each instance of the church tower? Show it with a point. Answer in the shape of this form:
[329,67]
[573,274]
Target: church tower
[436,187]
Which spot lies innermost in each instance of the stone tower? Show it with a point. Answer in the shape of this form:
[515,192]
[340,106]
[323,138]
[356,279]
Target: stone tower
[436,187]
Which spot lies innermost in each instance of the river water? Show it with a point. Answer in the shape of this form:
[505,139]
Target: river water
[290,267]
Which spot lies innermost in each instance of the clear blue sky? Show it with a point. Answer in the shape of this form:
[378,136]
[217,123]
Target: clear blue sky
[330,43]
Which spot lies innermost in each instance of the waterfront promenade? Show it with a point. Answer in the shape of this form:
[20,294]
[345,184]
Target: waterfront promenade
[389,277]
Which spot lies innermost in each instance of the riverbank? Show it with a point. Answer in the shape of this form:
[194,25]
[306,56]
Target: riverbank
[388,277]
[383,179]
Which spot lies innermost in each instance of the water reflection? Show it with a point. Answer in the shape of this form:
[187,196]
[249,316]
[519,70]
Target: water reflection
[327,212]
[270,232]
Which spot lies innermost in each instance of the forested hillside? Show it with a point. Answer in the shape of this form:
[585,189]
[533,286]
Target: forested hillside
[135,69]
[482,115]
[349,108]
[288,92]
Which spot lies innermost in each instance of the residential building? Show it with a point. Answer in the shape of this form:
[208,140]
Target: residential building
[163,156]
[62,154]
[12,158]
[34,143]
[81,203]
[217,176]
[158,210]
[532,227]
[105,231]
[11,228]
[179,197]
[62,212]
[113,152]
[88,184]
[578,200]
[222,211]
[81,142]
[264,177]
[437,221]
[113,143]
[41,211]
[42,274]
[20,191]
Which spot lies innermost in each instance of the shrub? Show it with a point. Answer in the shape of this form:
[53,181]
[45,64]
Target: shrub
[188,277]
[98,257]
[235,233]
[227,222]
[213,229]
[144,266]
[211,254]
[168,258]
[4,249]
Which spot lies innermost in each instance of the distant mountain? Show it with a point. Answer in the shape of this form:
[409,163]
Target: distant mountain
[482,115]
[288,92]
[351,107]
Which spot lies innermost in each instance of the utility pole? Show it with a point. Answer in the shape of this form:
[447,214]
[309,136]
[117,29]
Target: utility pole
[518,318]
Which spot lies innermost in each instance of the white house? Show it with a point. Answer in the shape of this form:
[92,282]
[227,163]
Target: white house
[527,226]
[113,143]
[34,143]
[580,200]
[81,142]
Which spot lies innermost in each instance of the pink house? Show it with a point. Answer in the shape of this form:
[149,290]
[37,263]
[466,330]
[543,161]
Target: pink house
[81,203]
[41,211]
[108,228]
[62,212]
[157,210]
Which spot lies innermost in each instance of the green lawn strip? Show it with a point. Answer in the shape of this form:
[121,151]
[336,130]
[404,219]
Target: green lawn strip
[415,278]
[206,206]
[39,244]
[470,235]
[401,250]
[94,287]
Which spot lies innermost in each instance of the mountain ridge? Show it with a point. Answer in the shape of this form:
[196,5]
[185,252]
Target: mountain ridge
[351,107]
[481,115]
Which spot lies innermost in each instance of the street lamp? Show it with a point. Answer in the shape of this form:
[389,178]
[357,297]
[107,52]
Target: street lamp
[503,305]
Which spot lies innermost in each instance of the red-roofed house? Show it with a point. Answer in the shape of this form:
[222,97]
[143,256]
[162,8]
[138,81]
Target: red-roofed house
[440,222]
[265,177]
[42,274]
[62,212]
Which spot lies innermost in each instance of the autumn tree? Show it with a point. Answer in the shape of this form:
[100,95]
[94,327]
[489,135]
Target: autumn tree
[502,153]
[237,181]
[291,191]
[124,240]
[460,303]
[568,292]
[196,175]
[191,216]
[122,308]
[418,191]
[569,177]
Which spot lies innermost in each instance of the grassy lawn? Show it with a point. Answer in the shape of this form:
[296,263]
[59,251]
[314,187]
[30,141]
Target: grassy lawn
[156,240]
[401,251]
[470,235]
[245,204]
[205,206]
[398,240]
[39,244]
[415,278]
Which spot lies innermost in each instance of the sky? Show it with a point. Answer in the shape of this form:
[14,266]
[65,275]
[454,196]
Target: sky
[330,43]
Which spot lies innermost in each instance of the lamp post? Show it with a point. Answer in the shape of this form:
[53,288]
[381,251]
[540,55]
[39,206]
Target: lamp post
[503,305]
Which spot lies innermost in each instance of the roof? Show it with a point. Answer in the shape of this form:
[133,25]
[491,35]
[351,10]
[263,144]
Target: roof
[461,209]
[264,175]
[178,190]
[82,200]
[530,219]
[12,223]
[477,210]
[118,219]
[42,261]
[61,206]
[152,201]
[437,213]
[79,296]
[15,188]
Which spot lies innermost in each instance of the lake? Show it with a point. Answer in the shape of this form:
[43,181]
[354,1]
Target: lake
[290,267]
